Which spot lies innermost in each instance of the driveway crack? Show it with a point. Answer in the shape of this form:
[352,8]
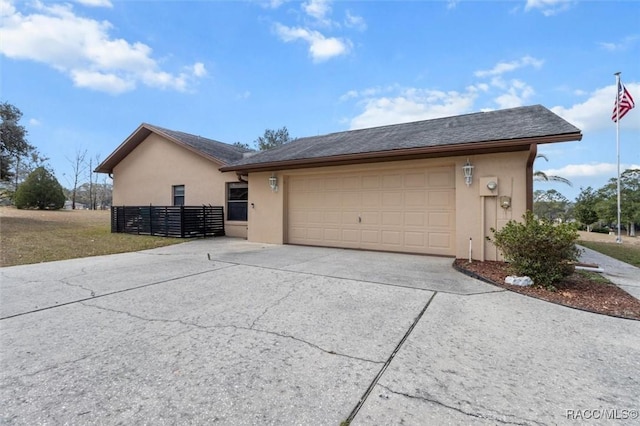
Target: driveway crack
[235,327]
[366,394]
[492,417]
[65,282]
[273,305]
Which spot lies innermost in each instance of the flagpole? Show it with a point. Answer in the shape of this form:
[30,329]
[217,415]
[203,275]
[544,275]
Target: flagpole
[619,237]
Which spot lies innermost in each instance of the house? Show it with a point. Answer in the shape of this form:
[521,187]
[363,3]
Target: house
[433,187]
[164,167]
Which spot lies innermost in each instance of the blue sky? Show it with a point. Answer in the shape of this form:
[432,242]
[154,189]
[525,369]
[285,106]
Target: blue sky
[86,73]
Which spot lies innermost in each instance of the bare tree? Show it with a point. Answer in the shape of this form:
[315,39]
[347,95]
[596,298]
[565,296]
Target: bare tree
[78,166]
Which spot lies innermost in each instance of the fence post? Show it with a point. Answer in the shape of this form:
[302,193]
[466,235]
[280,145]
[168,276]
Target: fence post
[204,220]
[182,221]
[150,220]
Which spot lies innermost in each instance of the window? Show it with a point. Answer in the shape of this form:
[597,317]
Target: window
[178,195]
[237,197]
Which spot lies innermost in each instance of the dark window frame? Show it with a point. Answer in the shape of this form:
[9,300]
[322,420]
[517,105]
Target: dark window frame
[237,195]
[177,197]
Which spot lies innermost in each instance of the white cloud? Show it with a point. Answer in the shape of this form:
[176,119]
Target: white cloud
[321,48]
[199,70]
[595,113]
[96,3]
[354,21]
[623,44]
[516,95]
[34,122]
[589,170]
[317,8]
[83,49]
[412,104]
[549,7]
[504,67]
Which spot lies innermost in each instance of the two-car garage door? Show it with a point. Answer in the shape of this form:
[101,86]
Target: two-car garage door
[410,210]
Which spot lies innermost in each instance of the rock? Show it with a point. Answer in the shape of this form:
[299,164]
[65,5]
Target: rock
[521,281]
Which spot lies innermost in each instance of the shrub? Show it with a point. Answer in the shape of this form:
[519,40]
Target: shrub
[538,249]
[41,190]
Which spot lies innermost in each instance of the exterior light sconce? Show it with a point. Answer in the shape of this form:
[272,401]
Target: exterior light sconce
[273,183]
[467,169]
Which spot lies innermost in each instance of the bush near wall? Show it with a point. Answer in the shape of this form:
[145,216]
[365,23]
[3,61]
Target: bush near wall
[538,249]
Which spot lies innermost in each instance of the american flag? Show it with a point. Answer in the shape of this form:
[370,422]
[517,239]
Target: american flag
[623,104]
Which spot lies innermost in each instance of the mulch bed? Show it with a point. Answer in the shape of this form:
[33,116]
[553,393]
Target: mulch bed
[576,291]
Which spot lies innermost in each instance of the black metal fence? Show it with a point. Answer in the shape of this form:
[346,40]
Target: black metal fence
[169,221]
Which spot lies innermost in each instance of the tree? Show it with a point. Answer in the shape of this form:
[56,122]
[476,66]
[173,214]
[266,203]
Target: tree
[585,207]
[607,204]
[550,204]
[273,139]
[543,177]
[40,190]
[78,166]
[243,145]
[13,142]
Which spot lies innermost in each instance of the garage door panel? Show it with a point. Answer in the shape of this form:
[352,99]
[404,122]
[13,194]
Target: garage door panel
[351,235]
[440,199]
[440,240]
[371,199]
[349,218]
[410,210]
[370,236]
[440,219]
[392,218]
[332,218]
[351,182]
[440,179]
[392,199]
[331,235]
[393,238]
[370,218]
[414,219]
[351,199]
[371,182]
[392,181]
[415,180]
[414,239]
[413,199]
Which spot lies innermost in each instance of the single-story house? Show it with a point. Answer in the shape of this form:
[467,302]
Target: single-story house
[164,167]
[434,187]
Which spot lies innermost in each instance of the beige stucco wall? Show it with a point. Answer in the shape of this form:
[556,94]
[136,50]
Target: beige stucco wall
[148,173]
[477,208]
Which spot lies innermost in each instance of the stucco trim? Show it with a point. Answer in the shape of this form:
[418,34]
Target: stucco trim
[489,147]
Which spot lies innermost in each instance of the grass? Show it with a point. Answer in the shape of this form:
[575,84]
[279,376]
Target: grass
[624,252]
[34,236]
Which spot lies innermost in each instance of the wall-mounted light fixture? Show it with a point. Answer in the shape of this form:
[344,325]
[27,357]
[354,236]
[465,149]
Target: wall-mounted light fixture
[273,182]
[467,169]
[505,202]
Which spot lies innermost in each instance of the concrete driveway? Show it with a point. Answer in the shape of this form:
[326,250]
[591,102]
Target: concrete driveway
[229,332]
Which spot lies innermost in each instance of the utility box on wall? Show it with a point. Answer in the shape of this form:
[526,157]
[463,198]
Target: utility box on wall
[489,186]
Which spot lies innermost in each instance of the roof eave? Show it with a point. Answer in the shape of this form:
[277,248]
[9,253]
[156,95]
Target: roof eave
[136,138]
[487,147]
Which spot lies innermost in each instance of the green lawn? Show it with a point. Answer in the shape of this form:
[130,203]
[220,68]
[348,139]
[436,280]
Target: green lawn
[624,252]
[34,236]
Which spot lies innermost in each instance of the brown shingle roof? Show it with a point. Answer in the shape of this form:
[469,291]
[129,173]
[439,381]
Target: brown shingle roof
[523,126]
[222,153]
